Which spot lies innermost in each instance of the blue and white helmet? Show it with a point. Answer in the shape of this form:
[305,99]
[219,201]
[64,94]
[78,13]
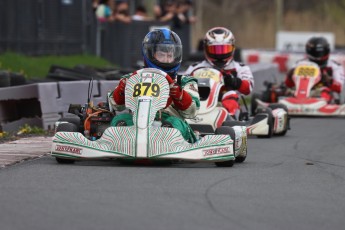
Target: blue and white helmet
[162,49]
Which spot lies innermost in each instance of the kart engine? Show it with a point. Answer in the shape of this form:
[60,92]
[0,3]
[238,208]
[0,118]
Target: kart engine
[94,119]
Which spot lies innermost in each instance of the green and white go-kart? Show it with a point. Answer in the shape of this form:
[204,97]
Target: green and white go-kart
[147,92]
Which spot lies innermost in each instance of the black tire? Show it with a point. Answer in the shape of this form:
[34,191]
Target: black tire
[113,75]
[240,159]
[227,131]
[270,121]
[66,127]
[281,106]
[5,80]
[73,120]
[17,79]
[64,160]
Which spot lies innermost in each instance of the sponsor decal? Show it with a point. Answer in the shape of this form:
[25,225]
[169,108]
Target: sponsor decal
[210,152]
[68,149]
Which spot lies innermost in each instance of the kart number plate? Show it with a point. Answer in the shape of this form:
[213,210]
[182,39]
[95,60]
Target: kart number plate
[306,71]
[207,73]
[146,89]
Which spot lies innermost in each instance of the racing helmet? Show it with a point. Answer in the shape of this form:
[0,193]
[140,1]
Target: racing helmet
[219,46]
[162,49]
[317,49]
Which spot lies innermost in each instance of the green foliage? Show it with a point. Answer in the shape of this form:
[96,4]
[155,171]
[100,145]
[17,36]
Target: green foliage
[39,66]
[27,129]
[3,135]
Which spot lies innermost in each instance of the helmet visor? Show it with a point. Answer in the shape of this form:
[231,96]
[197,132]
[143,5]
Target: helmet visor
[164,55]
[219,49]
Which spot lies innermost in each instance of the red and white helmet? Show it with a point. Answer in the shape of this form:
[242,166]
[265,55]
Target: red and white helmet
[219,46]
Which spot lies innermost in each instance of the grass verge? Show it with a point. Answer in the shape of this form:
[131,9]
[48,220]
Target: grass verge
[39,66]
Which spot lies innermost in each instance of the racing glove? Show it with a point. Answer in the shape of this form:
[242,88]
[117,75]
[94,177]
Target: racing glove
[182,100]
[176,92]
[119,92]
[232,81]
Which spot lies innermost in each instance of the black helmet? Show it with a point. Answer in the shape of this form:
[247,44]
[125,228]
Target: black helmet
[317,49]
[163,41]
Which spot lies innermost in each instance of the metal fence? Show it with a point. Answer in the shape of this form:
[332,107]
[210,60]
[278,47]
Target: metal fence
[63,27]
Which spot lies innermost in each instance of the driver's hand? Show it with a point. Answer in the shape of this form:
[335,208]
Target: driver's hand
[232,81]
[176,92]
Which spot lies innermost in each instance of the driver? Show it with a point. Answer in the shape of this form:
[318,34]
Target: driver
[332,73]
[162,49]
[219,48]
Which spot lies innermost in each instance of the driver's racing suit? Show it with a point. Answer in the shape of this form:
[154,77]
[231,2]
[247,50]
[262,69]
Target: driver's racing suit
[229,93]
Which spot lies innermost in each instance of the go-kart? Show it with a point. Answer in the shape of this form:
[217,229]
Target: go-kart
[267,121]
[146,93]
[305,99]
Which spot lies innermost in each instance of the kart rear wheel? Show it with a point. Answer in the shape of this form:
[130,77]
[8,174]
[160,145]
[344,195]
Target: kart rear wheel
[225,130]
[270,121]
[281,106]
[66,127]
[73,120]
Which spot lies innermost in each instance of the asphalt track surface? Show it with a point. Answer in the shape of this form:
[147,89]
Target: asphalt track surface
[291,182]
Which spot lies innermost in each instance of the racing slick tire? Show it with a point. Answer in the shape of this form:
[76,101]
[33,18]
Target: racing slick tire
[73,120]
[66,127]
[225,130]
[281,106]
[270,121]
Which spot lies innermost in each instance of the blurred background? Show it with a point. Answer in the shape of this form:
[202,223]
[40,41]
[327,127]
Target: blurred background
[65,27]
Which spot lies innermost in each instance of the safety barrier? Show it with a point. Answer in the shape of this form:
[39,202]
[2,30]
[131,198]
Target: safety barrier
[42,104]
[284,60]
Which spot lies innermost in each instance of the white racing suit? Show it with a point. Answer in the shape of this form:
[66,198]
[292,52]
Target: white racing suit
[230,97]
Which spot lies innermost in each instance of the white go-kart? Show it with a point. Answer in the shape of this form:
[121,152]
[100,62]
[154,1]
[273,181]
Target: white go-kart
[267,121]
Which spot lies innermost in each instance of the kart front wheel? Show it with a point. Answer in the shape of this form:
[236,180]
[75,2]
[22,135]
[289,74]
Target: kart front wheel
[66,127]
[241,159]
[225,130]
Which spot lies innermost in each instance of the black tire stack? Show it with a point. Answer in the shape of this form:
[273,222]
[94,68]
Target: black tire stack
[8,78]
